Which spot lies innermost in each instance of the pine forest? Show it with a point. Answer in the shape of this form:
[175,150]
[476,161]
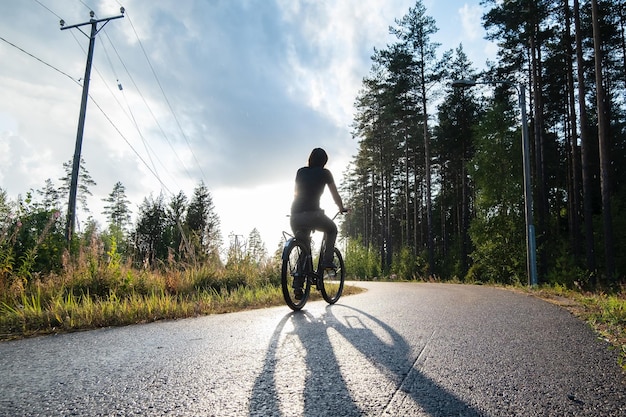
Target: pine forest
[438,185]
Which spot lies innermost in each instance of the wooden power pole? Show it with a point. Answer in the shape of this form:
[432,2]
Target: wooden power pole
[71,208]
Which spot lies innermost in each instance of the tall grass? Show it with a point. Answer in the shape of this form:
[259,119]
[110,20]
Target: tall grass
[95,291]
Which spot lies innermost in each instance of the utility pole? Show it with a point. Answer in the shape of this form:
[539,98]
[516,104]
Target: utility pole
[531,245]
[71,208]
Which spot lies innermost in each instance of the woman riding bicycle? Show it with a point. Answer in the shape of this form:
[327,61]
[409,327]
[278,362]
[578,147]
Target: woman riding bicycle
[306,214]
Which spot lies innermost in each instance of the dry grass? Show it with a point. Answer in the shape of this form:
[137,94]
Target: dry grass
[95,291]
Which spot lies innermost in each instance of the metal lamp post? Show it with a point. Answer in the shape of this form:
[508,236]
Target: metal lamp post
[531,246]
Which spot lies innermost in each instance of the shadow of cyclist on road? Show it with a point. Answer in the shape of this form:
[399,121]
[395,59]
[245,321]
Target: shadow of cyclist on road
[346,362]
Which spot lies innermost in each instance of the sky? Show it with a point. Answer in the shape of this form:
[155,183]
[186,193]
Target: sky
[233,93]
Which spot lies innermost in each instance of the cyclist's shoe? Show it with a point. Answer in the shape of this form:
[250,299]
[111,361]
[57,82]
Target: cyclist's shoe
[298,283]
[298,293]
[330,265]
[330,271]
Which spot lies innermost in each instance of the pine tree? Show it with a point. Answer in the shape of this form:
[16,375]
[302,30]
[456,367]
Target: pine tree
[178,234]
[453,148]
[84,182]
[255,249]
[203,222]
[148,237]
[117,209]
[51,196]
[118,214]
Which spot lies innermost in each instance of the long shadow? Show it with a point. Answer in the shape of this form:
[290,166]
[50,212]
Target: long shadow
[325,389]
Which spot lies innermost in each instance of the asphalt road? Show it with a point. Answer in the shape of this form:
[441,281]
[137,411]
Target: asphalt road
[399,349]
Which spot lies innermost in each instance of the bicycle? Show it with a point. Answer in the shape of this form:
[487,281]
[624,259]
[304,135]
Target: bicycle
[297,271]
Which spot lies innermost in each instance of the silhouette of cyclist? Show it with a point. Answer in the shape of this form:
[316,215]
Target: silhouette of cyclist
[306,214]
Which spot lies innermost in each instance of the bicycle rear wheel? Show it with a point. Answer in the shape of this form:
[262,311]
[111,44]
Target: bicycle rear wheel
[293,275]
[332,283]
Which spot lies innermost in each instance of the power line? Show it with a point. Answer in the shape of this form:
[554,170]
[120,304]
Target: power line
[40,60]
[87,6]
[156,120]
[129,145]
[165,96]
[48,9]
[162,92]
[152,171]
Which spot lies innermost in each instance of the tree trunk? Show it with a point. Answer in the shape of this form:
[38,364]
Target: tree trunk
[465,211]
[540,181]
[584,150]
[574,203]
[406,193]
[427,177]
[429,208]
[604,146]
[416,210]
[622,30]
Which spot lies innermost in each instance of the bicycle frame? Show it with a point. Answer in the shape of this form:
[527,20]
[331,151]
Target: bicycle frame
[309,244]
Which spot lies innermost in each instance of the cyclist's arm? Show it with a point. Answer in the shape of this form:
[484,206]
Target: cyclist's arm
[336,197]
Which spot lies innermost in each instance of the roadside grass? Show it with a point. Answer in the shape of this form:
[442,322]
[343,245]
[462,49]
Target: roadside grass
[94,294]
[63,313]
[604,311]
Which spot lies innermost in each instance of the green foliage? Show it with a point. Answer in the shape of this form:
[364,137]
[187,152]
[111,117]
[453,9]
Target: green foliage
[408,266]
[499,254]
[117,209]
[202,222]
[115,259]
[497,231]
[362,262]
[566,271]
[173,232]
[31,243]
[607,314]
[255,248]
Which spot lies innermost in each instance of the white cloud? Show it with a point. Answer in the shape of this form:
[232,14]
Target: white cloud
[332,54]
[471,16]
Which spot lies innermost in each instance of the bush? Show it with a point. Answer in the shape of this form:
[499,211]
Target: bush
[362,262]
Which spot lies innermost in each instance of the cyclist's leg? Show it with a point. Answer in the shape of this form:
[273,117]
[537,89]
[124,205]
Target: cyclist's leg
[317,220]
[300,277]
[302,232]
[328,226]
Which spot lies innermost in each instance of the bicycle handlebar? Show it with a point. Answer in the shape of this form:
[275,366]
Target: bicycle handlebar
[344,211]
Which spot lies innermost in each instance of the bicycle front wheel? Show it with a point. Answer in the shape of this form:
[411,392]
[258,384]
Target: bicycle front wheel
[332,282]
[296,287]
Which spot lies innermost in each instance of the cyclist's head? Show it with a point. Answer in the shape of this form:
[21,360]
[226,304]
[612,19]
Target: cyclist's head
[318,158]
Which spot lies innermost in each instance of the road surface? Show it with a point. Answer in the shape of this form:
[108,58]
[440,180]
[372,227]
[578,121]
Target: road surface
[398,349]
